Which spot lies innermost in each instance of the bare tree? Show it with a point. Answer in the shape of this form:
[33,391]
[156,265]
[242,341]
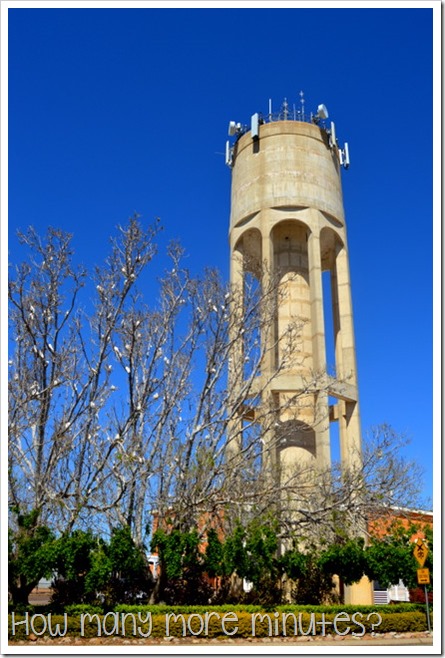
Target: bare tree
[121,409]
[118,407]
[182,409]
[60,370]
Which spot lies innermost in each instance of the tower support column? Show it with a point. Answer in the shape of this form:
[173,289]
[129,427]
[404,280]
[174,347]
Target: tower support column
[349,417]
[321,415]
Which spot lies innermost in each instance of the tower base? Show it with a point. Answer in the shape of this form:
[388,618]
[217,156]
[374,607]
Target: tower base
[360,593]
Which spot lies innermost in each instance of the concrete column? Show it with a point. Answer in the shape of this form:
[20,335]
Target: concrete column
[268,338]
[237,289]
[336,323]
[345,312]
[321,425]
[235,369]
[317,313]
[349,417]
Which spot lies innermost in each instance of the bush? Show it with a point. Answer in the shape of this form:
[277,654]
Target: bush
[417,595]
[91,571]
[193,623]
[364,609]
[83,608]
[182,576]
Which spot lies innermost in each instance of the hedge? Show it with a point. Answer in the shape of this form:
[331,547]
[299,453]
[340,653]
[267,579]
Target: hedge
[212,624]
[79,608]
[288,607]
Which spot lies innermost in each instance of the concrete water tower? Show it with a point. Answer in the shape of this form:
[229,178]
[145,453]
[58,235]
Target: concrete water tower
[287,215]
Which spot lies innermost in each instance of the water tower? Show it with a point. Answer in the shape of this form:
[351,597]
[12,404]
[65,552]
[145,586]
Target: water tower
[287,220]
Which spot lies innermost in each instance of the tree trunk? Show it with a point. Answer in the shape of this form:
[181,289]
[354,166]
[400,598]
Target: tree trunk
[20,591]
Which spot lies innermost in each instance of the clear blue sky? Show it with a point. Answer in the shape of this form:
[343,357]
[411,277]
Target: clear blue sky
[113,111]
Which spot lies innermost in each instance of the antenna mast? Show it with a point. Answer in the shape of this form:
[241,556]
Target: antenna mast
[302,104]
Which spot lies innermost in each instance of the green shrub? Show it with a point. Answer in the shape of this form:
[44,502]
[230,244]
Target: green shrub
[265,624]
[365,609]
[403,622]
[21,608]
[82,608]
[189,609]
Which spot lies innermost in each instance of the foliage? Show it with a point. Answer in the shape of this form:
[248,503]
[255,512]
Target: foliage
[176,550]
[235,555]
[98,577]
[429,538]
[346,560]
[30,555]
[314,586]
[388,564]
[90,570]
[311,583]
[130,579]
[417,595]
[83,608]
[294,563]
[261,549]
[251,554]
[214,555]
[390,558]
[288,607]
[182,563]
[73,565]
[304,622]
[186,563]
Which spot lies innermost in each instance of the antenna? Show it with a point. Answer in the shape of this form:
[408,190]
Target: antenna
[332,138]
[302,104]
[343,156]
[347,161]
[270,109]
[255,125]
[234,128]
[229,154]
[322,112]
[285,109]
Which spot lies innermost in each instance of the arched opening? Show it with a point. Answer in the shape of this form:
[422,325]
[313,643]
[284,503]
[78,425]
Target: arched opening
[330,245]
[293,309]
[248,251]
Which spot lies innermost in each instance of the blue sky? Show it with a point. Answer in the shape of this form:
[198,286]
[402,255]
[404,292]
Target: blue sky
[116,111]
